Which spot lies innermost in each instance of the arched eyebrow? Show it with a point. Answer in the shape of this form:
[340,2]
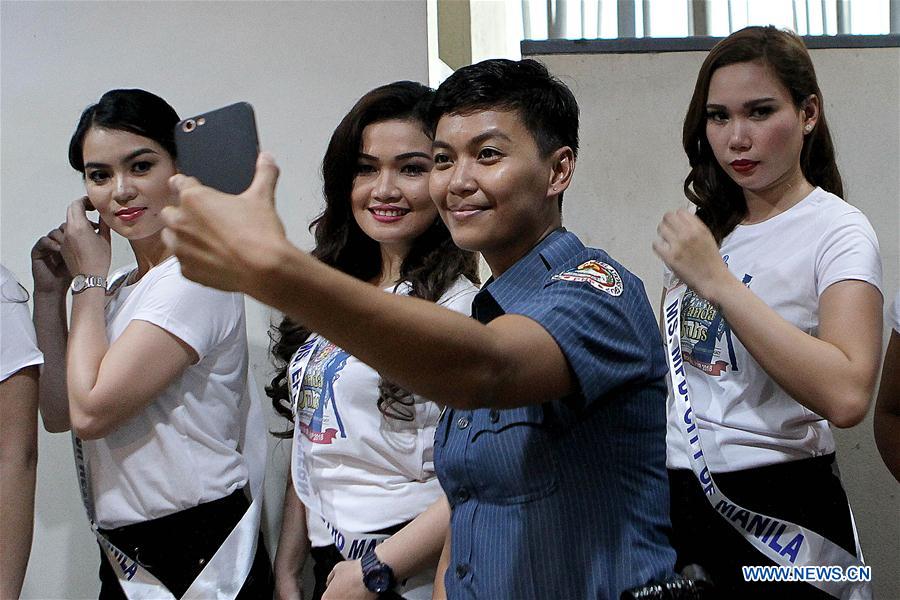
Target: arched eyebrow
[403,156]
[747,104]
[129,157]
[416,154]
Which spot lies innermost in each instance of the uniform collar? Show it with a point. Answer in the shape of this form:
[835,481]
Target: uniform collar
[527,273]
[549,254]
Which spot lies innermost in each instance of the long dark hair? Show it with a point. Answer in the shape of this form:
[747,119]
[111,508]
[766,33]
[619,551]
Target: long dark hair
[136,111]
[720,201]
[434,262]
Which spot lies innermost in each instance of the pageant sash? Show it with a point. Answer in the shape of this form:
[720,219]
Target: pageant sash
[351,545]
[786,544]
[225,573]
[299,469]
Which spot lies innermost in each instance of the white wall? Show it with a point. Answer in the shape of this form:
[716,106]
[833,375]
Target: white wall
[301,64]
[631,168]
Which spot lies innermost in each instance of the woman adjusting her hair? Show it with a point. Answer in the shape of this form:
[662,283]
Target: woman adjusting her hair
[362,461]
[151,376]
[775,296]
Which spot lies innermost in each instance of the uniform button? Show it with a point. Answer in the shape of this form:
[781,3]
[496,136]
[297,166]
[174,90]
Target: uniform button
[461,570]
[495,415]
[462,423]
[462,495]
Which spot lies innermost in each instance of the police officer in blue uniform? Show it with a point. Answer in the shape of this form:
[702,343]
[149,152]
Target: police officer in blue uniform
[552,448]
[564,495]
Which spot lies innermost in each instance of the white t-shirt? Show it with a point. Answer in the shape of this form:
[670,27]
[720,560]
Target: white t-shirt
[745,419]
[18,344]
[181,450]
[369,471]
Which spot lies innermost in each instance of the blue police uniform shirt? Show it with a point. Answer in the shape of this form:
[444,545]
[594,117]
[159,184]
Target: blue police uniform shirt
[569,498]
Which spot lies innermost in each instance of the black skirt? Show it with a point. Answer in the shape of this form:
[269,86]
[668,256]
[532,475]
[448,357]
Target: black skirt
[176,547]
[806,492]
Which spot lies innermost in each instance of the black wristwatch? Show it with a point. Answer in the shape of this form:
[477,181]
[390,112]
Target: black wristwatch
[377,576]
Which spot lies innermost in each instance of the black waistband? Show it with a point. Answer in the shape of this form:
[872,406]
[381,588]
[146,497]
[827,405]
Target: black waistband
[225,511]
[788,469]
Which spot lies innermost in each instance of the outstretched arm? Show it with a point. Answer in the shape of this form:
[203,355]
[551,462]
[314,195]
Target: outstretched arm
[434,351]
[832,374]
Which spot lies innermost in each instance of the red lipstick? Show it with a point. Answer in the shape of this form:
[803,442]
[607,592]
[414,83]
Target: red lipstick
[387,213]
[743,165]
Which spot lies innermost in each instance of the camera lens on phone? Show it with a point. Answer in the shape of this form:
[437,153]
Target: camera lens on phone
[189,125]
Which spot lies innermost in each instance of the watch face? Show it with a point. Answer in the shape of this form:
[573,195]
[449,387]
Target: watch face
[78,283]
[378,580]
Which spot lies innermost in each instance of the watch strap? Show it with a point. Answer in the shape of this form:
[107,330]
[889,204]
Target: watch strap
[83,281]
[378,577]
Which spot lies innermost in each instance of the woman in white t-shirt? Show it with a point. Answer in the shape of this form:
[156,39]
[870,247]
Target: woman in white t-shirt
[151,376]
[19,363]
[362,464]
[781,320]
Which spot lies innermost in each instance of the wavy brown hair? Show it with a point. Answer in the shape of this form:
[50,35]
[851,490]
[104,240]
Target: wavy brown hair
[434,262]
[720,201]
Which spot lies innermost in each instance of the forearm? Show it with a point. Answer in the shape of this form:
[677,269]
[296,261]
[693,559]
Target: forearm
[52,336]
[87,347]
[815,372]
[293,544]
[438,353]
[417,546]
[16,524]
[887,408]
[18,462]
[426,349]
[439,591]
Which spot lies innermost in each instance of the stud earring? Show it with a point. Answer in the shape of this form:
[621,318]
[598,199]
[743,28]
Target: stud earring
[807,128]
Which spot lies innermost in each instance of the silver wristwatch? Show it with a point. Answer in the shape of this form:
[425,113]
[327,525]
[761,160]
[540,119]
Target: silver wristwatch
[82,282]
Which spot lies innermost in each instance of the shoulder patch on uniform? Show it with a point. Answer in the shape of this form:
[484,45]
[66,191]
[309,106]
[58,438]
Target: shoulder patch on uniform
[599,275]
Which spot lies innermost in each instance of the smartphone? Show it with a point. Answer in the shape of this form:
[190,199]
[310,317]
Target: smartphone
[219,147]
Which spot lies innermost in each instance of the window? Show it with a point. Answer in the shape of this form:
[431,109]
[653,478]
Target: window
[466,31]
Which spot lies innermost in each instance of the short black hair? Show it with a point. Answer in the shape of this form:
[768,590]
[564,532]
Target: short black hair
[546,105]
[136,111]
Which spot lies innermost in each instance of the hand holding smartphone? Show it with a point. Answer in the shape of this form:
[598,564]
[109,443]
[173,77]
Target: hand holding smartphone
[219,147]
